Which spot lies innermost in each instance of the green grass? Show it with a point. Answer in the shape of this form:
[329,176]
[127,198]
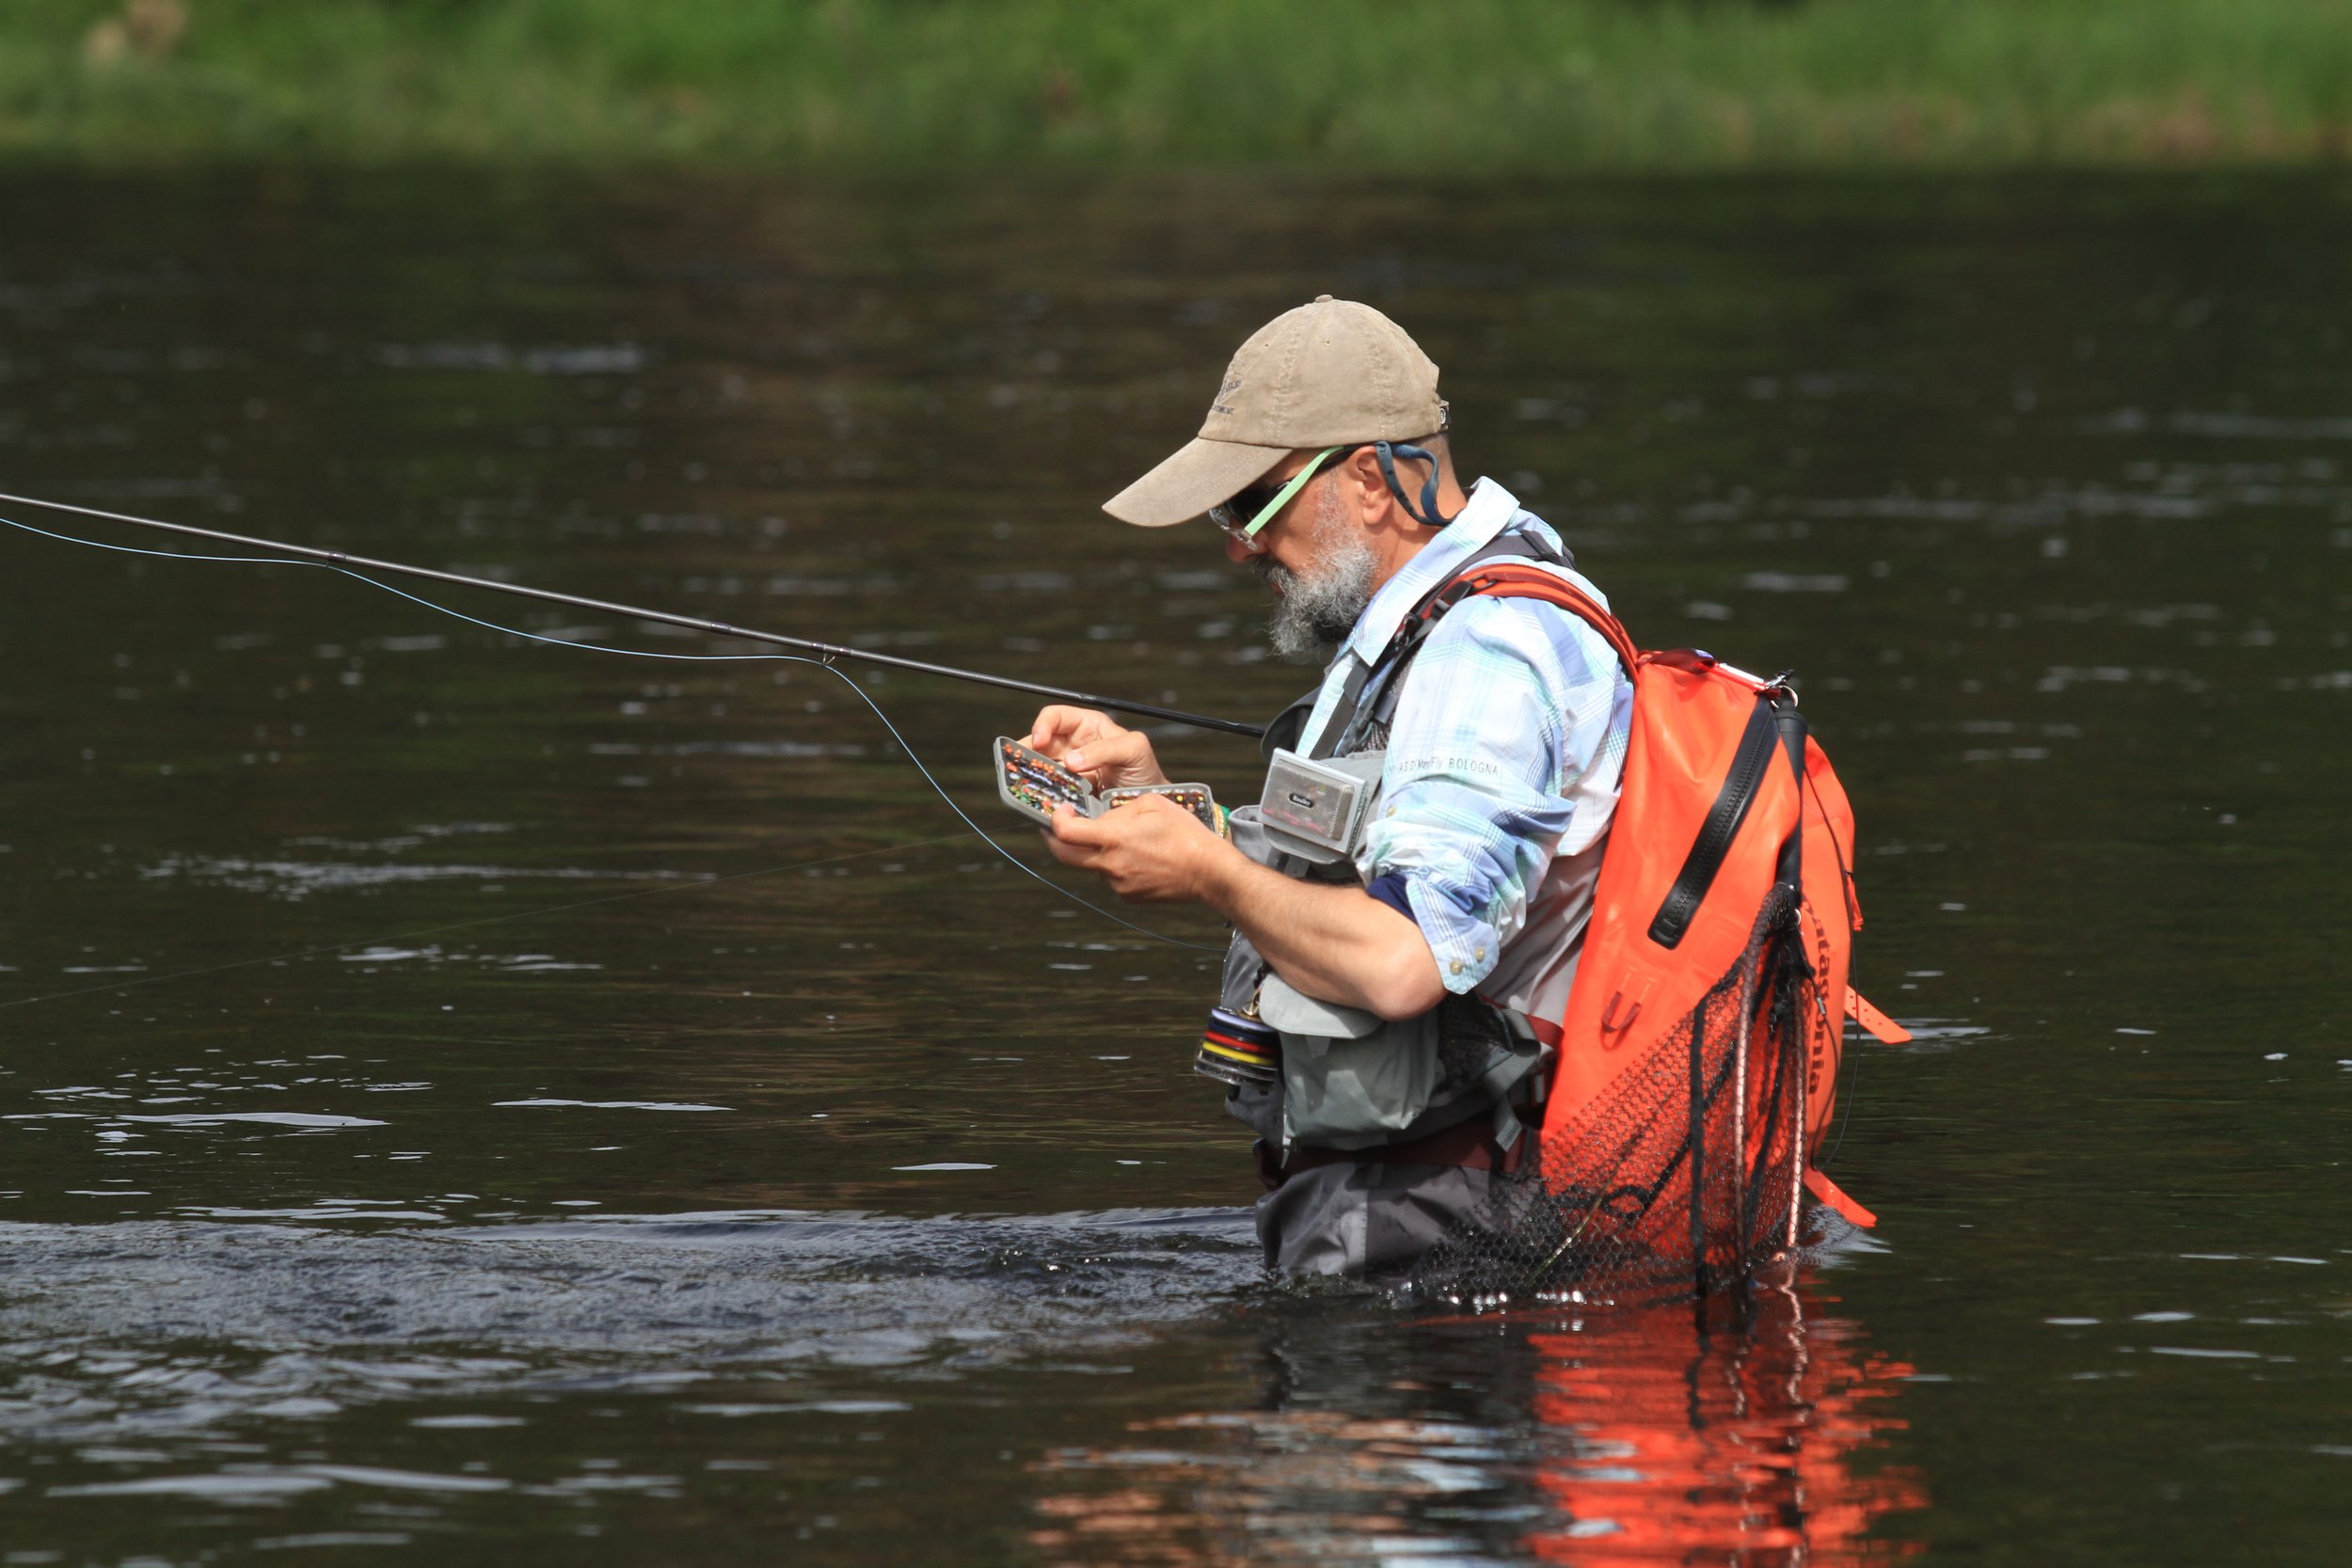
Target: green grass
[1467,86]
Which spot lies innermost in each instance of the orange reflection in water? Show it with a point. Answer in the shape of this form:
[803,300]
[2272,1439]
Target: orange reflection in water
[1625,1437]
[1733,1445]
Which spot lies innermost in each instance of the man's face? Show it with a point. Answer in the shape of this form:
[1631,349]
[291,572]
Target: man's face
[1319,567]
[1281,547]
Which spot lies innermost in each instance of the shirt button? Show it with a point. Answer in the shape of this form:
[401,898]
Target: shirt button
[1455,967]
[1480,955]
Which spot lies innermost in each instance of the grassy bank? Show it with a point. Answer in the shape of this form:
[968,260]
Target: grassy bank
[1473,86]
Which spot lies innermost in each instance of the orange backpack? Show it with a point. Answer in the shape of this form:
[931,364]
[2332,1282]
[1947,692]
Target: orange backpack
[1706,1021]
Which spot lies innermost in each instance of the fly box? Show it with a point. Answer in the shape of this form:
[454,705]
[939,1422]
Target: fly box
[1033,785]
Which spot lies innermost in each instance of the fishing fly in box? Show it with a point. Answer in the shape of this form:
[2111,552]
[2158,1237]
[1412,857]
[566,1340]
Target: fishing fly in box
[1033,785]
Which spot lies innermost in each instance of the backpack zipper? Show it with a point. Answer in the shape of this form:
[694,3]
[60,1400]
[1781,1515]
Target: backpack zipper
[1724,819]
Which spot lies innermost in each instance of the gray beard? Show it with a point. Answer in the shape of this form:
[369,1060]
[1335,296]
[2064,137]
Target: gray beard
[1313,615]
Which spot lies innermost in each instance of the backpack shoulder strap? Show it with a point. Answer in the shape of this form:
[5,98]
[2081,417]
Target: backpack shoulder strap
[1506,579]
[1503,569]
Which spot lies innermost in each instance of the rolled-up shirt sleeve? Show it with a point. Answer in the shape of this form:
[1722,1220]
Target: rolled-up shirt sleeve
[1484,747]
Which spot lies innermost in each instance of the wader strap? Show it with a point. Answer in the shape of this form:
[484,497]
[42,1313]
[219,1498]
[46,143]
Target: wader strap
[1282,735]
[1342,719]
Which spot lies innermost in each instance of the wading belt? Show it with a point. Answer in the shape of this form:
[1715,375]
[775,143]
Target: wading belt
[1466,1145]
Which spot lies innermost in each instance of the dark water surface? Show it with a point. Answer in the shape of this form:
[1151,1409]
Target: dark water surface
[660,1132]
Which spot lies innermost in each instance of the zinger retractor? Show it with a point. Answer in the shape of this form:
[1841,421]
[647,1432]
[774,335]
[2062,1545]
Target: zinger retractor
[1238,1051]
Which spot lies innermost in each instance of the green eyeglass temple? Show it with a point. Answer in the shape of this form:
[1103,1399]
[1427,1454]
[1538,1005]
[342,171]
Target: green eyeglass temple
[1282,497]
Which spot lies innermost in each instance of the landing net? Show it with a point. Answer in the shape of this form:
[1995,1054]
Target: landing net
[1680,1177]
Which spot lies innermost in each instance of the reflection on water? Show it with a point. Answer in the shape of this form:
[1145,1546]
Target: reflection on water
[1642,1435]
[1751,1445]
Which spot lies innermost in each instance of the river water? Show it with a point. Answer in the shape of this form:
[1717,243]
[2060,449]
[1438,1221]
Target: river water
[462,1097]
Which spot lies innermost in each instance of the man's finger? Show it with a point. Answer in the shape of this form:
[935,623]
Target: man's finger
[1058,722]
[1046,727]
[1108,752]
[1068,853]
[1080,833]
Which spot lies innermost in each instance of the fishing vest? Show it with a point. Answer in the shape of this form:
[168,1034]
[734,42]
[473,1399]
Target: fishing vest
[1306,1071]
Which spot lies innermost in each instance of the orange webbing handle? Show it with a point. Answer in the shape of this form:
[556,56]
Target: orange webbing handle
[1884,1029]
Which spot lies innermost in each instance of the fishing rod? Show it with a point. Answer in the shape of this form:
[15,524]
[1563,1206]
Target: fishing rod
[827,653]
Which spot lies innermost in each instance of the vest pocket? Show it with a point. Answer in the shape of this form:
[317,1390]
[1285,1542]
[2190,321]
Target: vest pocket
[1344,1091]
[1350,1078]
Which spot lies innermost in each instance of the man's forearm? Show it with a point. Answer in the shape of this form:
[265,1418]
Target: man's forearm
[1339,944]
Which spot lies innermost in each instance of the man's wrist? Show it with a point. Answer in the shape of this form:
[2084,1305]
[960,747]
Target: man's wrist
[1218,876]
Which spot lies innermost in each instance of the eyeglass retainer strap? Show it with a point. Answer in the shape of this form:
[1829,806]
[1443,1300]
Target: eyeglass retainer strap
[1388,451]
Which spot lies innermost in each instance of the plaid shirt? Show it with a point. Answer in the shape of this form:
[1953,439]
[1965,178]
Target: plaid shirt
[1503,767]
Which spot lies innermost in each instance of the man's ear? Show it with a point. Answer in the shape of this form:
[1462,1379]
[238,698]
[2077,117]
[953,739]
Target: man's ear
[1373,502]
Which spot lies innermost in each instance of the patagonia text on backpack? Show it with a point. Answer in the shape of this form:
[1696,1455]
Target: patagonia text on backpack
[1699,1046]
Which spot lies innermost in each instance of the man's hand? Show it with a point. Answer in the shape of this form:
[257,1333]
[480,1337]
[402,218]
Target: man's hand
[1109,756]
[1335,943]
[1149,850]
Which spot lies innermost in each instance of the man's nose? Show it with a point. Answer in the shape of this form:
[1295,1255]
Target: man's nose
[1237,549]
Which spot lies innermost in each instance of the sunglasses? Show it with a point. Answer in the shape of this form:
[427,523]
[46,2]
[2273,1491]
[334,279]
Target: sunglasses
[1250,508]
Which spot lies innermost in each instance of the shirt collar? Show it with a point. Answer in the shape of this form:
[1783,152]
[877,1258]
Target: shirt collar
[1488,511]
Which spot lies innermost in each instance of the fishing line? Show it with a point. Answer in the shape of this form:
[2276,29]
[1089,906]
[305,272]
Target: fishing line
[1845,1113]
[826,652]
[825,664]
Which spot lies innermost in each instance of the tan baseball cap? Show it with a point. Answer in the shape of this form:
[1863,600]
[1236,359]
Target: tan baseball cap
[1323,376]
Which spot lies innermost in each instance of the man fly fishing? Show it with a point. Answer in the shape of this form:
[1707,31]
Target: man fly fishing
[1414,888]
[1541,943]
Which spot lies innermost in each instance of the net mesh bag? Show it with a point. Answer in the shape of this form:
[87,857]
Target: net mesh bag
[1678,1180]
